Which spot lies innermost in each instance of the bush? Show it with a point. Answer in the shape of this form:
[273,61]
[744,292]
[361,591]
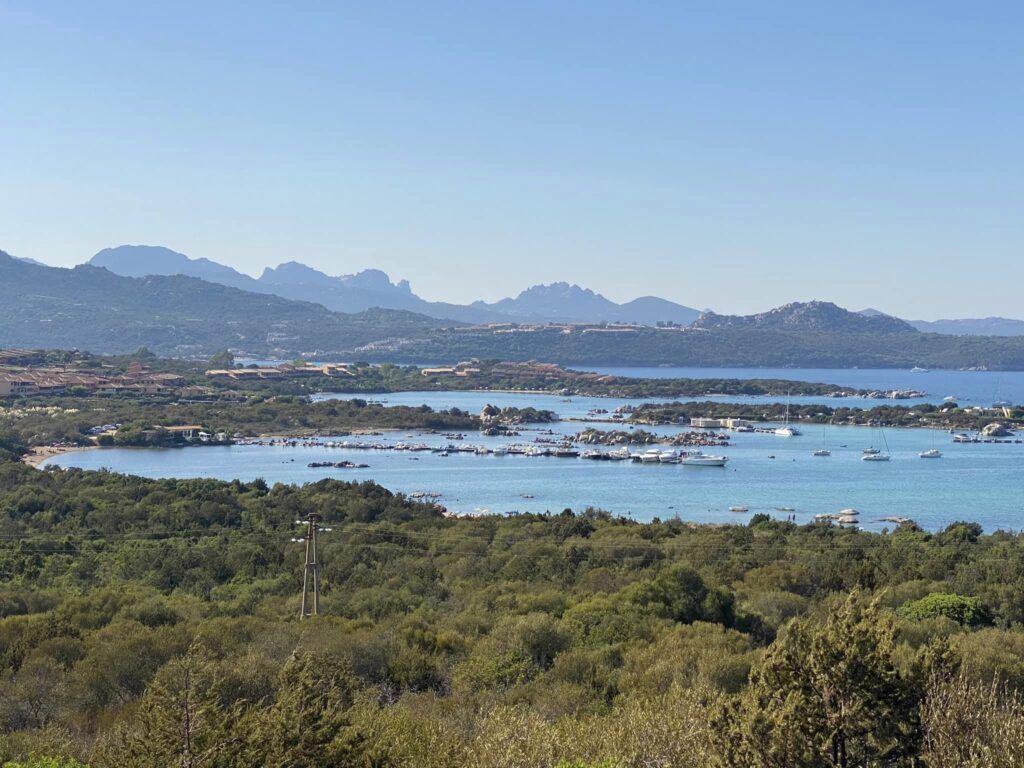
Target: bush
[966,611]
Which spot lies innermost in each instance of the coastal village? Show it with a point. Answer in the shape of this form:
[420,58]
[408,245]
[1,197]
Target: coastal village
[26,381]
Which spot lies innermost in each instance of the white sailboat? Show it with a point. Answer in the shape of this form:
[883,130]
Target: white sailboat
[933,452]
[786,430]
[823,451]
[873,454]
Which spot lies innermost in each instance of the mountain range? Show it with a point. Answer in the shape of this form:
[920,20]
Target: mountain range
[558,302]
[90,307]
[983,326]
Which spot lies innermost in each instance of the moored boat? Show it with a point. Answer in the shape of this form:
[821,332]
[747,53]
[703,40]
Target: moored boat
[701,459]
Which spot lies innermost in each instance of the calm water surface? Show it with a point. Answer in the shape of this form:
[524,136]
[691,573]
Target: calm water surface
[973,387]
[981,482]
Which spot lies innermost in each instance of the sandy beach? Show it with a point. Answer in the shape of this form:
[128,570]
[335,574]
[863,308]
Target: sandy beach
[39,454]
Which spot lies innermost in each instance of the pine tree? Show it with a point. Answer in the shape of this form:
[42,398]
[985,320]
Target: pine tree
[308,726]
[181,722]
[827,695]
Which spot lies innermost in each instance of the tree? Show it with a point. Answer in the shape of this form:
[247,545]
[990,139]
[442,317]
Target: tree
[826,694]
[181,721]
[222,360]
[308,726]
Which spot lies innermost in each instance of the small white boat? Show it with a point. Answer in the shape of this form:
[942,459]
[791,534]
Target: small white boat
[700,459]
[651,456]
[619,454]
[875,457]
[739,508]
[823,452]
[918,369]
[931,453]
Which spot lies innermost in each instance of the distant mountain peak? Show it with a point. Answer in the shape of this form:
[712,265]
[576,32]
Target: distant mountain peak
[145,260]
[292,272]
[807,316]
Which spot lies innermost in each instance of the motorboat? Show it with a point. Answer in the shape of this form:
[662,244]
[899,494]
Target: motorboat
[870,452]
[739,508]
[918,369]
[700,459]
[823,452]
[619,454]
[963,437]
[651,456]
[668,457]
[931,453]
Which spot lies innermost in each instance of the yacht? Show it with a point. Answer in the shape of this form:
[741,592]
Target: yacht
[918,369]
[877,456]
[700,459]
[873,454]
[619,454]
[650,456]
[668,457]
[786,430]
[931,453]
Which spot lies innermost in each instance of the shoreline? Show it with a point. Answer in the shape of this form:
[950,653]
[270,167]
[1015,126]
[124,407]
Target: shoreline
[38,455]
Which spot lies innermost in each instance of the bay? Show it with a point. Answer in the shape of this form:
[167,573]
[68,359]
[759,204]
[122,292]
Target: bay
[978,482]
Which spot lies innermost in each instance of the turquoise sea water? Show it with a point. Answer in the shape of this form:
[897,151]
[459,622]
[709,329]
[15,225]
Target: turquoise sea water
[970,387]
[981,482]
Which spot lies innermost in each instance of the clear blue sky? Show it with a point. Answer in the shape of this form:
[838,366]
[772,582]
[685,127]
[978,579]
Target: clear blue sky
[733,155]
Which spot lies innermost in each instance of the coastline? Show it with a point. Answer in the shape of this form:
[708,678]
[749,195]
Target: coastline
[40,454]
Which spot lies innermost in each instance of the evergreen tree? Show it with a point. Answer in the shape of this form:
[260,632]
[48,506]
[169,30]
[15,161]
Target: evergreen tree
[826,695]
[309,726]
[181,722]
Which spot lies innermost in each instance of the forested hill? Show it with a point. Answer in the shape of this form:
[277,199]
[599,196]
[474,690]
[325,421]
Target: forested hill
[92,308]
[720,347]
[811,316]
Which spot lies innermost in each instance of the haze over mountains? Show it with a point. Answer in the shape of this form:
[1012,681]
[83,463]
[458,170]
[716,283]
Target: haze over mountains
[373,288]
[92,308]
[557,302]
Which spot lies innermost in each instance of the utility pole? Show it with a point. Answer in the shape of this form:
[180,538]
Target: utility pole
[311,575]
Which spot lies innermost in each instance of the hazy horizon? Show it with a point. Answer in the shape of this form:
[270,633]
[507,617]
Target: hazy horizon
[735,158]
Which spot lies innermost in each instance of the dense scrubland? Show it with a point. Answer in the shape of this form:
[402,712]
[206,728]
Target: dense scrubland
[155,622]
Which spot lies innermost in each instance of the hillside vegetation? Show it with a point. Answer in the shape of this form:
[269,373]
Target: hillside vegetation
[91,308]
[154,622]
